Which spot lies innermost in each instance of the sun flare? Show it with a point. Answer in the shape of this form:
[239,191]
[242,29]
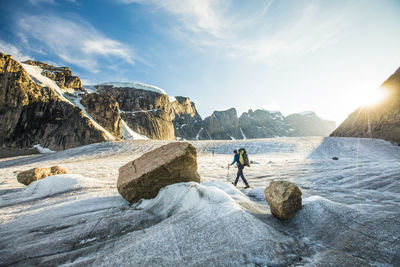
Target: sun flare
[372,96]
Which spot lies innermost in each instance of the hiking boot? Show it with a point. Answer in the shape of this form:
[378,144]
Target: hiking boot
[247,186]
[234,184]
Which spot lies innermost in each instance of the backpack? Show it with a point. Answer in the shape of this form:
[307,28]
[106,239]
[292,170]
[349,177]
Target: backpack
[243,157]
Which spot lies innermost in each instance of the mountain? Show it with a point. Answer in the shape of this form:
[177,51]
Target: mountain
[262,124]
[309,124]
[381,120]
[33,109]
[47,105]
[225,125]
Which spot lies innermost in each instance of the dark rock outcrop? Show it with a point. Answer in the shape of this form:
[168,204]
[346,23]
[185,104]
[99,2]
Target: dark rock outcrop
[31,114]
[284,199]
[381,120]
[105,110]
[169,164]
[263,124]
[309,124]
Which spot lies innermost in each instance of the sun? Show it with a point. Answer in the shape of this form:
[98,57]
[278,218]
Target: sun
[372,96]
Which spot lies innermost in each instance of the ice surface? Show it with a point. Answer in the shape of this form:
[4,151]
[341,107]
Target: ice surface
[350,214]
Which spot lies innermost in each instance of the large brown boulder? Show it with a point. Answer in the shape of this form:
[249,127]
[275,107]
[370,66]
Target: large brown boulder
[169,164]
[284,199]
[35,174]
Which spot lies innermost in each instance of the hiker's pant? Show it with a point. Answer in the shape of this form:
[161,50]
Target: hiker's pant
[240,173]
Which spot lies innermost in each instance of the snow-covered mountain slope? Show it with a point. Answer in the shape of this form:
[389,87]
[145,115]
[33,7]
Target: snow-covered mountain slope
[350,214]
[136,85]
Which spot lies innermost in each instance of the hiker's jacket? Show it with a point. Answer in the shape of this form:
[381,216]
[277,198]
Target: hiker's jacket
[236,159]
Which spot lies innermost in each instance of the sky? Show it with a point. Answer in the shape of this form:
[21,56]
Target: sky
[291,56]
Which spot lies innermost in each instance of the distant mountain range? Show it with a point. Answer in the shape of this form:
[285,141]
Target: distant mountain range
[47,105]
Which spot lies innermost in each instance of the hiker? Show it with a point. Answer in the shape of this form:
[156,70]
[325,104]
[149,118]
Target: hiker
[240,170]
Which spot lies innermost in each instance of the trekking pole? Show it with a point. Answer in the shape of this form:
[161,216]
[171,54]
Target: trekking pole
[227,177]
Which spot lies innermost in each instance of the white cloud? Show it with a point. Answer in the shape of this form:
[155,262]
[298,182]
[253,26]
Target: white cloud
[74,41]
[195,15]
[36,2]
[253,33]
[12,50]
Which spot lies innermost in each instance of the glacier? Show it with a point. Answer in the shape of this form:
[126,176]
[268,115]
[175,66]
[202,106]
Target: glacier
[350,214]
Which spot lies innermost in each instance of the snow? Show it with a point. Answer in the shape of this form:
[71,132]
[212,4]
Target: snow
[350,214]
[76,100]
[43,150]
[136,85]
[172,99]
[241,131]
[305,113]
[35,73]
[129,134]
[36,76]
[198,134]
[90,88]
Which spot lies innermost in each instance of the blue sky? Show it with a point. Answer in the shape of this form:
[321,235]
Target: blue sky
[326,56]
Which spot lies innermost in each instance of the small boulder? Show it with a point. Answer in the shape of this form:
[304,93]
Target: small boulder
[335,158]
[29,176]
[284,199]
[145,176]
[57,170]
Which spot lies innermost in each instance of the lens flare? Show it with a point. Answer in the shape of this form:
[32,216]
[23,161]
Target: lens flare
[372,97]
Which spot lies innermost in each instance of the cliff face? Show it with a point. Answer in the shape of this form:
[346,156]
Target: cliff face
[187,121]
[62,75]
[381,120]
[263,124]
[146,112]
[222,125]
[309,124]
[105,110]
[31,114]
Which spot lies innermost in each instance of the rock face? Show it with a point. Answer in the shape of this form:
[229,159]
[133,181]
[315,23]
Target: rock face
[284,199]
[381,120]
[187,121]
[62,75]
[146,112]
[263,124]
[35,174]
[31,114]
[309,124]
[105,110]
[222,125]
[169,164]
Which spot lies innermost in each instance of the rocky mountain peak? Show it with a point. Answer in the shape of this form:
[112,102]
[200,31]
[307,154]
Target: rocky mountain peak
[61,75]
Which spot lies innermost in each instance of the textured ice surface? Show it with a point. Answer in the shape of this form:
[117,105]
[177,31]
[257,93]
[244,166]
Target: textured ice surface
[350,214]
